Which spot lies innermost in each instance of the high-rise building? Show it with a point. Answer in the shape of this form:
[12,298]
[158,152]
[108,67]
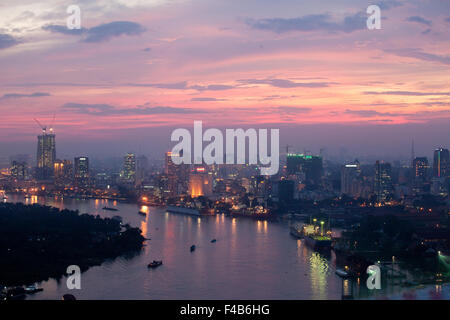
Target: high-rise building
[441,163]
[46,155]
[129,168]
[63,172]
[310,167]
[177,175]
[18,170]
[350,179]
[81,172]
[383,182]
[200,182]
[420,174]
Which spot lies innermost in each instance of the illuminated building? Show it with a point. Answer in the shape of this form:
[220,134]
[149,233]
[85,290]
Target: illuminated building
[200,182]
[309,166]
[18,170]
[420,167]
[177,175]
[81,172]
[383,181]
[129,169]
[46,155]
[441,163]
[63,172]
[350,179]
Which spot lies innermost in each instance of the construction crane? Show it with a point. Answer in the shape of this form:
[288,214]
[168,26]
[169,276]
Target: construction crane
[44,128]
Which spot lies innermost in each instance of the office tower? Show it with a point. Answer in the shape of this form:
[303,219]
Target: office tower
[200,182]
[420,172]
[441,163]
[177,175]
[81,172]
[129,168]
[18,170]
[350,179]
[63,172]
[46,155]
[383,182]
[309,167]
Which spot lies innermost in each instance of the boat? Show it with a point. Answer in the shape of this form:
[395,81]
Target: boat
[110,209]
[193,247]
[342,273]
[313,236]
[142,213]
[318,242]
[213,240]
[155,264]
[183,210]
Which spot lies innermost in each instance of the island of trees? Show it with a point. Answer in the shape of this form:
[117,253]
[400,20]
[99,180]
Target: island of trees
[39,242]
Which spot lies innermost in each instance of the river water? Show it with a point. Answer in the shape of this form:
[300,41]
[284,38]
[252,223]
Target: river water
[250,260]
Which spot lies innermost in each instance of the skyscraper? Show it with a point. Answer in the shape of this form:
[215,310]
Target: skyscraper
[81,172]
[441,163]
[46,155]
[350,179]
[420,167]
[200,182]
[129,168]
[383,182]
[63,172]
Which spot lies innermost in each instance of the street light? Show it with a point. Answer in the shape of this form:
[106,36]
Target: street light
[321,225]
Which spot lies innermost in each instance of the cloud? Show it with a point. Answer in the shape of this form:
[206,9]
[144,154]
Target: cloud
[64,30]
[371,113]
[284,83]
[289,110]
[109,110]
[420,55]
[183,86]
[22,95]
[212,87]
[420,20]
[176,85]
[407,93]
[447,19]
[102,32]
[314,22]
[107,31]
[389,4]
[7,41]
[207,99]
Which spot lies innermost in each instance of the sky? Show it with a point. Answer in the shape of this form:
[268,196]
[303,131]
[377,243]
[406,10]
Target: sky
[137,69]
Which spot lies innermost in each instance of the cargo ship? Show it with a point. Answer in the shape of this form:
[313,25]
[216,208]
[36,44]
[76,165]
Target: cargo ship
[312,236]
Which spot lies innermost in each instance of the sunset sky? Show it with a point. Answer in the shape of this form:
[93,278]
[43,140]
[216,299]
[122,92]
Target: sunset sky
[139,68]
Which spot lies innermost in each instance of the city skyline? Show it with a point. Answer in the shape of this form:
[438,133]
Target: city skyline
[283,65]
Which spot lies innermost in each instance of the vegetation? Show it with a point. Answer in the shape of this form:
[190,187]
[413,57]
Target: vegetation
[38,242]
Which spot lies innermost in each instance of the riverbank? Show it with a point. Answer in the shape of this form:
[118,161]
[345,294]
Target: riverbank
[39,242]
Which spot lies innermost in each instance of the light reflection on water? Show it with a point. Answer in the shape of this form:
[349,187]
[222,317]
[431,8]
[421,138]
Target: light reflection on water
[250,260]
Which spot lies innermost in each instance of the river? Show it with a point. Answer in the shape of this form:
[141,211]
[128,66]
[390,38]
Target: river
[250,260]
